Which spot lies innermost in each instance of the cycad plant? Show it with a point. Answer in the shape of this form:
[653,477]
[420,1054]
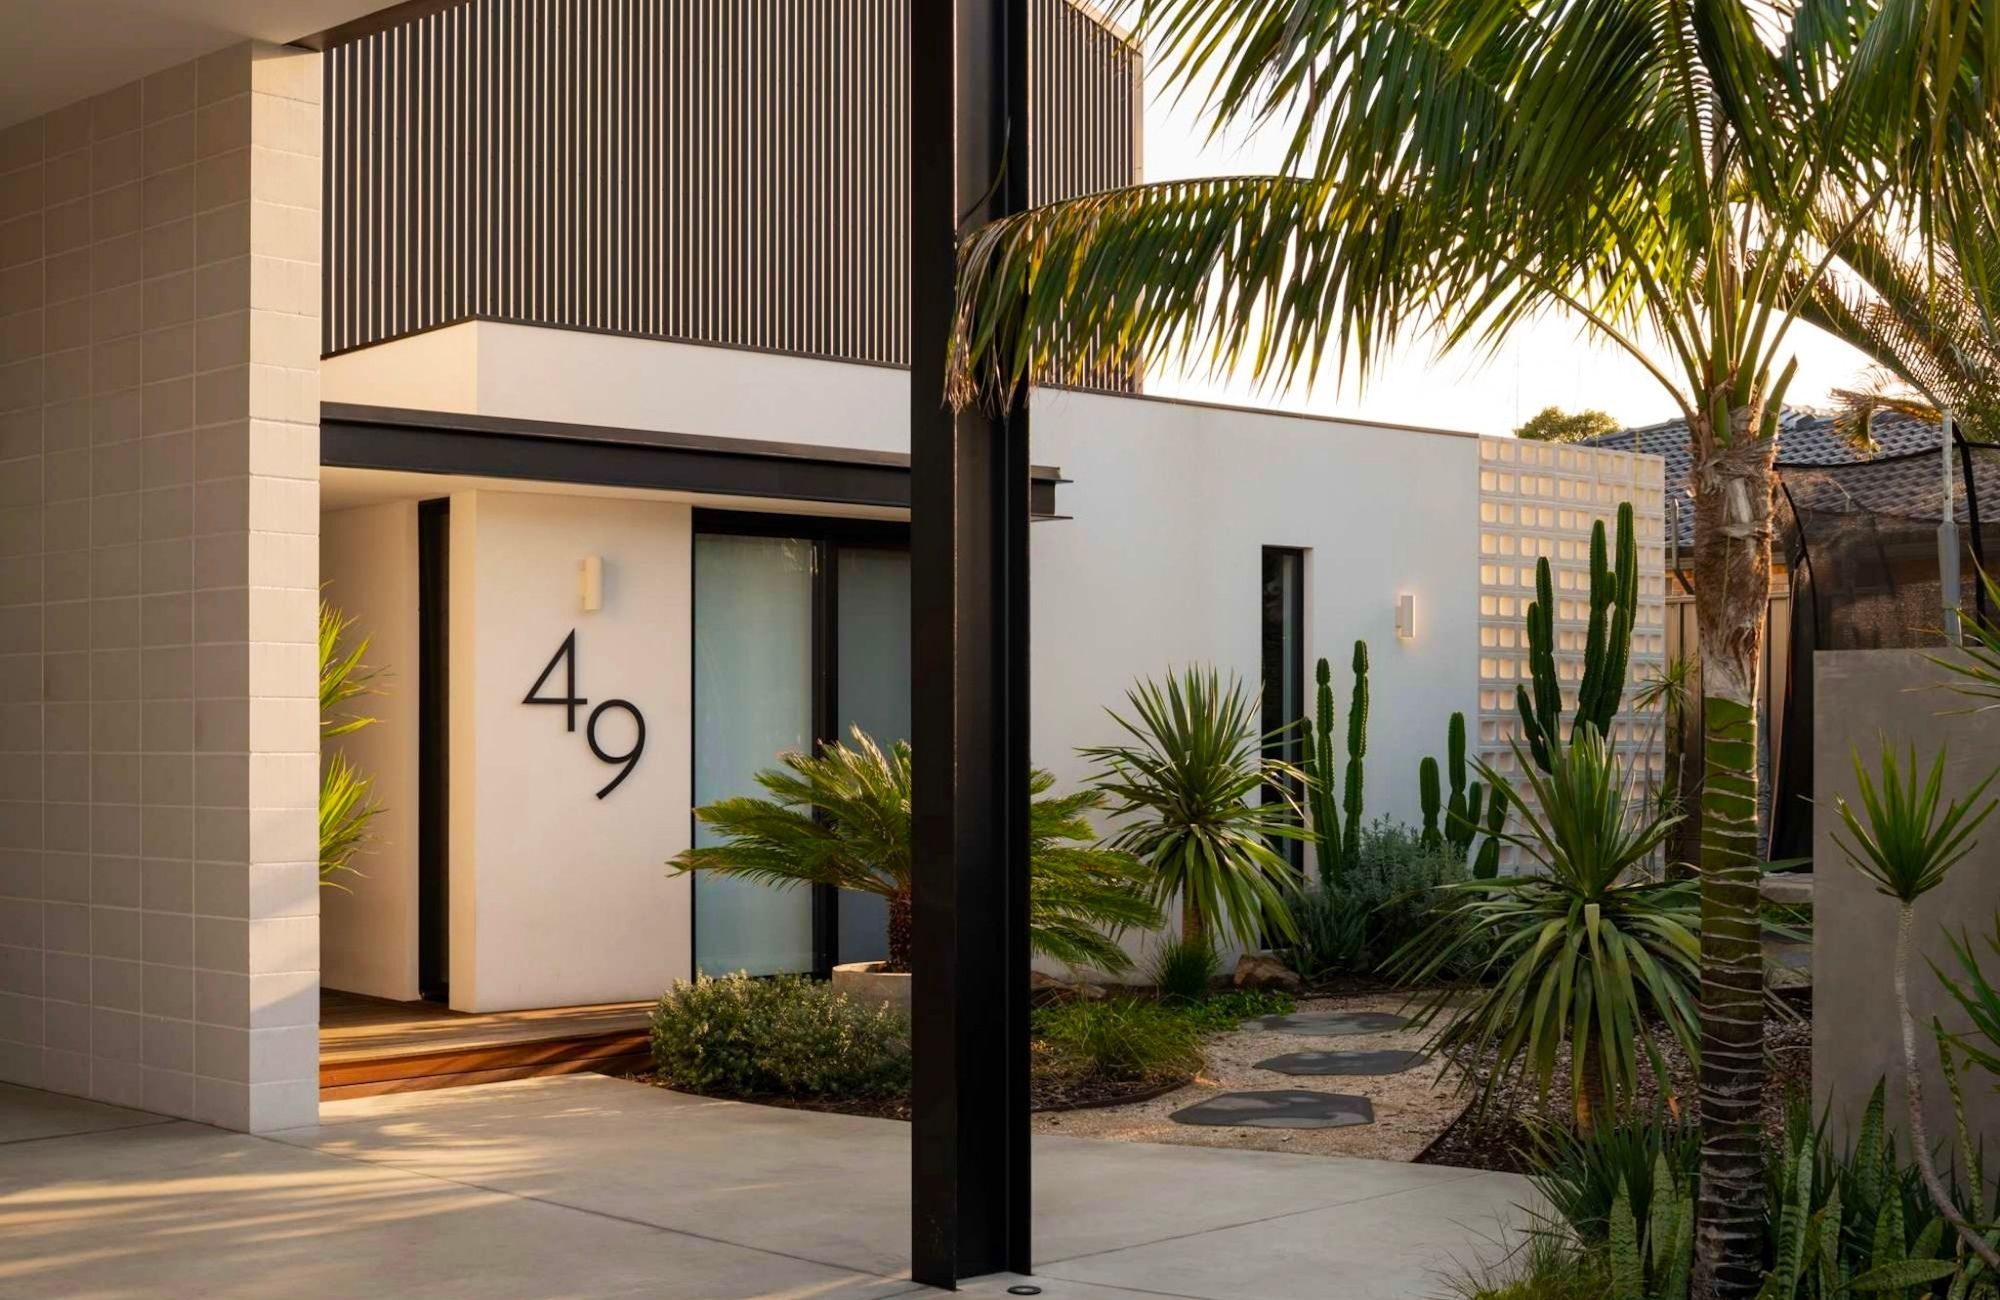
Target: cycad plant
[1586,950]
[1189,787]
[841,818]
[346,801]
[1906,839]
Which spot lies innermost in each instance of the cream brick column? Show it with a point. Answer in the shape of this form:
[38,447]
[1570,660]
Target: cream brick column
[159,301]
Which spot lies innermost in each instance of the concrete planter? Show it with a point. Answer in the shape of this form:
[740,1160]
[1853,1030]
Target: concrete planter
[865,982]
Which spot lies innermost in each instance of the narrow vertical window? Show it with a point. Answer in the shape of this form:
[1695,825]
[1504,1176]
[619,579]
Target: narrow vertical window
[1284,668]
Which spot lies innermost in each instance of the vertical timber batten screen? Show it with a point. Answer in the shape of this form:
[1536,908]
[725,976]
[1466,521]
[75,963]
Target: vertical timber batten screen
[709,171]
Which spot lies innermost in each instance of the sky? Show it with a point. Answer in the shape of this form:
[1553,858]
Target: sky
[1548,363]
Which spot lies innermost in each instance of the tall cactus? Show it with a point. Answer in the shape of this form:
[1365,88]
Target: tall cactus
[1427,794]
[1614,598]
[1461,822]
[1357,746]
[1322,801]
[1488,864]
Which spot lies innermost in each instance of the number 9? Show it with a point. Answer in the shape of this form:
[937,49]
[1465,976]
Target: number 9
[630,758]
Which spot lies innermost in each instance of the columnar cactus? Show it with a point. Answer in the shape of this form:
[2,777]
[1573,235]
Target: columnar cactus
[1614,598]
[1461,819]
[1427,794]
[1322,802]
[1357,745]
[1487,866]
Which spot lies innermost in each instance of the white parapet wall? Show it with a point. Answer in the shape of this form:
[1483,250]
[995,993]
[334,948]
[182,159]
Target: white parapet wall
[1543,499]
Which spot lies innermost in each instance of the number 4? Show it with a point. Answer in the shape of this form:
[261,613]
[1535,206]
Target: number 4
[570,699]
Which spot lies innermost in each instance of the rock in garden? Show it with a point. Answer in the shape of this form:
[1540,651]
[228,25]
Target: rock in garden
[1258,971]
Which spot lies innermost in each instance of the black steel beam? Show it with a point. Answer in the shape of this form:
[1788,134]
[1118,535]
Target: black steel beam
[969,498]
[439,442]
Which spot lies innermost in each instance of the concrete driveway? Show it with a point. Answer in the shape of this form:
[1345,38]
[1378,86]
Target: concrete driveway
[590,1186]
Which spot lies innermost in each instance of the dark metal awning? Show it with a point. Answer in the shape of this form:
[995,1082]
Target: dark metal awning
[443,442]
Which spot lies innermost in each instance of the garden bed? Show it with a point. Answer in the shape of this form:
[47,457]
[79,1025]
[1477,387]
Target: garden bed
[1496,1137]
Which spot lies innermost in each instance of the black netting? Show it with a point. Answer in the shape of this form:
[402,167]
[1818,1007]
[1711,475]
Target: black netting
[1862,543]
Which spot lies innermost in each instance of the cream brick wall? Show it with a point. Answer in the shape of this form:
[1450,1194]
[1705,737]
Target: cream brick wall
[1542,499]
[159,300]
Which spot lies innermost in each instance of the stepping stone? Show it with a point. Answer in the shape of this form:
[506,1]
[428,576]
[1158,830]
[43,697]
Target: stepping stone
[1283,1108]
[1343,1062]
[1326,1024]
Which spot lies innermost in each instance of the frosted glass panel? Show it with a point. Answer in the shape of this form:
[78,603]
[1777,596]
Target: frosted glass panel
[752,702]
[873,637]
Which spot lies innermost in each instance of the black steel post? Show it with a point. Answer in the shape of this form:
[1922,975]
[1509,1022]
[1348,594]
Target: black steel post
[969,508]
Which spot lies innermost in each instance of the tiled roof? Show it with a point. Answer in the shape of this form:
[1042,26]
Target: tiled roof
[1804,439]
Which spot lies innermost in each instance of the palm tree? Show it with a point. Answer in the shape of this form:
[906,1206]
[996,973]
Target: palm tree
[1657,170]
[841,817]
[347,803]
[1190,787]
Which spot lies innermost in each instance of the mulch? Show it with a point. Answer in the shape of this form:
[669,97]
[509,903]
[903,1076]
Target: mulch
[1496,1136]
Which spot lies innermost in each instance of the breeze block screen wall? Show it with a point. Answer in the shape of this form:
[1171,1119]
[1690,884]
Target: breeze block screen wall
[1541,499]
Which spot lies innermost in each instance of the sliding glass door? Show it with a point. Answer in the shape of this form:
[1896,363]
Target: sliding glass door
[802,630]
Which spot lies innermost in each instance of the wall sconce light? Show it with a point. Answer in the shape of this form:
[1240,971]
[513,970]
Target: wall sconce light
[590,583]
[1406,616]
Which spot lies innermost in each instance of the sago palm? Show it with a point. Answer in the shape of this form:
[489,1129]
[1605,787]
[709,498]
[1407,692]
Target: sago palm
[1656,170]
[1190,787]
[841,817]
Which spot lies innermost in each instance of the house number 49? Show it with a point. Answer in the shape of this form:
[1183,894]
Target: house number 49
[571,701]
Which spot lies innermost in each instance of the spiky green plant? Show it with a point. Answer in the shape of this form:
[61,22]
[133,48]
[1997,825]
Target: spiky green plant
[1357,748]
[1906,840]
[1189,788]
[1468,800]
[841,817]
[1586,951]
[347,806]
[1427,803]
[1322,785]
[1614,599]
[1487,865]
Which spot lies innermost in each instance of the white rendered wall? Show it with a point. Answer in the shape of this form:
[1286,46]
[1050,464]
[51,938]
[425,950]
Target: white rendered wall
[368,925]
[559,897]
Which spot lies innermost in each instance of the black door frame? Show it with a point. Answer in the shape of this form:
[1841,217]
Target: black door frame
[828,536]
[434,749]
[1286,748]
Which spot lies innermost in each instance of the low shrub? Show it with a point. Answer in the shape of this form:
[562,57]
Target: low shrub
[1333,931]
[1219,1013]
[1394,882]
[1579,1174]
[1120,1038]
[741,1037]
[1184,970]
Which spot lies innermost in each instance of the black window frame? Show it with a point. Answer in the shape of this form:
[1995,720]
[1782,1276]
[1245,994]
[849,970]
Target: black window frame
[1280,679]
[828,536]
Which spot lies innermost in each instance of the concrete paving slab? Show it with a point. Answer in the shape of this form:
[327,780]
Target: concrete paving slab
[1393,1247]
[29,1114]
[179,1209]
[587,1186]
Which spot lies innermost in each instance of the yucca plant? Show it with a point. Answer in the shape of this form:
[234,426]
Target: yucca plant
[347,805]
[1586,950]
[1910,839]
[1190,788]
[841,817]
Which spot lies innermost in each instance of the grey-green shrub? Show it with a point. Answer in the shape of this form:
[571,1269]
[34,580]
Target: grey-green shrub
[737,1037]
[1394,881]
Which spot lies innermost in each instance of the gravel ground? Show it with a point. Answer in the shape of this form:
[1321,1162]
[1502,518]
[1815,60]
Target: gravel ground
[1411,1108]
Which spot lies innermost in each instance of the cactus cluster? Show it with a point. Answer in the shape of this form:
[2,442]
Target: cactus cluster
[1334,846]
[1614,598]
[1462,812]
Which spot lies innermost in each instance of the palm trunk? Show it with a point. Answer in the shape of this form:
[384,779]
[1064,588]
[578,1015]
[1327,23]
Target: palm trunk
[1913,1089]
[1732,564]
[1590,1091]
[899,931]
[1193,928]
